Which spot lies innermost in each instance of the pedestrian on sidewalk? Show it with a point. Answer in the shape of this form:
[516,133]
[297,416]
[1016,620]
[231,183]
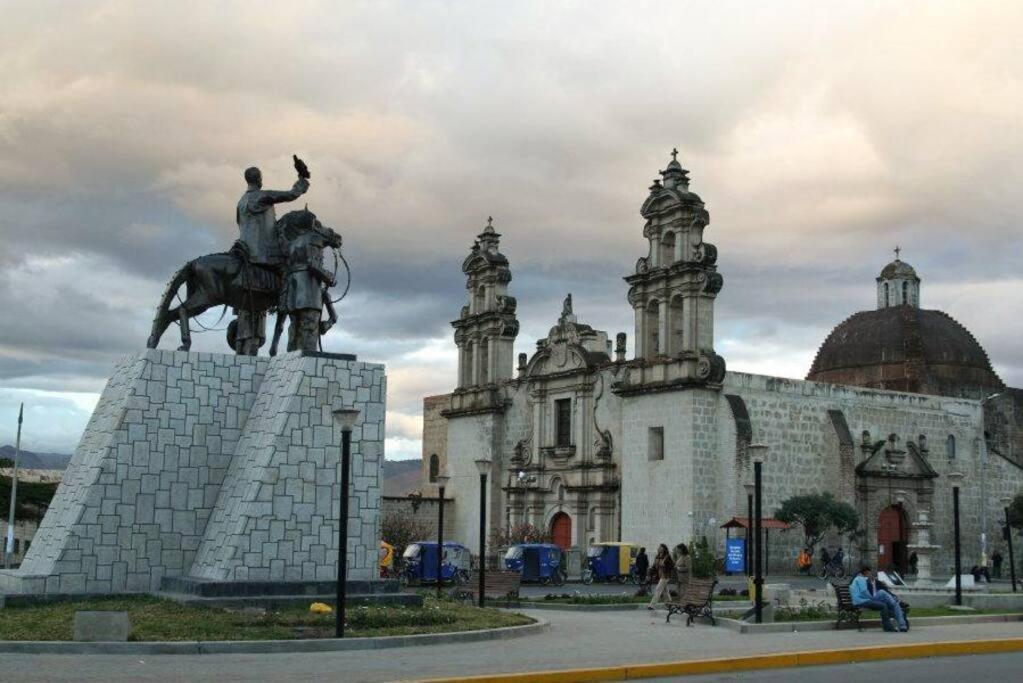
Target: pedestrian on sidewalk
[642,567]
[663,566]
[996,564]
[683,567]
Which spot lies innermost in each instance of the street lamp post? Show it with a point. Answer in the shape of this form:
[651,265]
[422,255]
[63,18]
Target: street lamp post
[749,526]
[483,465]
[346,418]
[956,479]
[442,482]
[758,451]
[1008,538]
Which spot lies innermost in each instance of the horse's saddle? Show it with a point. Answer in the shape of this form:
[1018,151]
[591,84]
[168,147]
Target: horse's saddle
[257,278]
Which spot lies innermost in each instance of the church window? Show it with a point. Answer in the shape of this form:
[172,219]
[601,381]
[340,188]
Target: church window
[653,324]
[950,446]
[886,302]
[481,299]
[905,292]
[675,342]
[668,249]
[563,422]
[484,360]
[434,468]
[655,445]
[591,522]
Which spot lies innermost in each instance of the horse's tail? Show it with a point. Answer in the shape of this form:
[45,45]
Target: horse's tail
[162,318]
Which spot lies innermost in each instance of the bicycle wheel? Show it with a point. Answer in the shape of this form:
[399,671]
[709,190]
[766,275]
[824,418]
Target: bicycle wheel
[588,576]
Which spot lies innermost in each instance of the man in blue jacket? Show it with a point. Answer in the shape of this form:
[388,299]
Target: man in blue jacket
[865,592]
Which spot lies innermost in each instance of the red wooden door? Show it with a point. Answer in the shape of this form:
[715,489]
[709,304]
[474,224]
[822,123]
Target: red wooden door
[891,539]
[561,530]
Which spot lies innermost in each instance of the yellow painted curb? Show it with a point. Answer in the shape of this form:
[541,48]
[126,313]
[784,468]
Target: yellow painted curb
[779,660]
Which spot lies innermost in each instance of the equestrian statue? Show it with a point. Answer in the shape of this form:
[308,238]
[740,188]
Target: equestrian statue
[275,266]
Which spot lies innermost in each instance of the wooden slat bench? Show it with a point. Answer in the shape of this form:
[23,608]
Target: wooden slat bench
[850,613]
[496,584]
[696,600]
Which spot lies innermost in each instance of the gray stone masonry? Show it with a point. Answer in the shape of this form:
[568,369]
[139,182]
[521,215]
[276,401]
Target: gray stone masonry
[213,466]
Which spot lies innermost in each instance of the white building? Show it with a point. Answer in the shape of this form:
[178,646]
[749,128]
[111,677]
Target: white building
[594,446]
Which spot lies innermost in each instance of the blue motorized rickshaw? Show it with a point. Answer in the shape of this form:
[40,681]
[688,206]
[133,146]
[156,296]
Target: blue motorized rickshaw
[537,562]
[611,562]
[419,563]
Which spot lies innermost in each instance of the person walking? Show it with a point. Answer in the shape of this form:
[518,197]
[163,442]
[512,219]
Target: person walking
[642,566]
[683,567]
[996,564]
[663,566]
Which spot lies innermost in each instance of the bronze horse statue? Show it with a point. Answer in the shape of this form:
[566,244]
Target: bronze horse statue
[228,279]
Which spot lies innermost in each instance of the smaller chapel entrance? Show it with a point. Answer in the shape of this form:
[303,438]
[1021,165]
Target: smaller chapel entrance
[561,530]
[892,538]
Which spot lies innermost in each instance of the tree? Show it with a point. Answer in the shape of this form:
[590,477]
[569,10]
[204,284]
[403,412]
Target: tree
[1016,511]
[400,529]
[818,513]
[521,533]
[6,462]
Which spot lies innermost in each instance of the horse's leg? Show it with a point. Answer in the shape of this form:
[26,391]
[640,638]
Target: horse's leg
[186,333]
[278,331]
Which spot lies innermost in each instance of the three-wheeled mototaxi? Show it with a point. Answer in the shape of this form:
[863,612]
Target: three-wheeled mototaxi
[611,562]
[537,562]
[419,563]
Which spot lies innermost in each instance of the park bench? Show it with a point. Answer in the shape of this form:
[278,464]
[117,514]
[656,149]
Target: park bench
[502,585]
[850,613]
[695,600]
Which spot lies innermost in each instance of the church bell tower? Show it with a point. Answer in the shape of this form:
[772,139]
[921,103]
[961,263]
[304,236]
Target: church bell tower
[486,328]
[673,289]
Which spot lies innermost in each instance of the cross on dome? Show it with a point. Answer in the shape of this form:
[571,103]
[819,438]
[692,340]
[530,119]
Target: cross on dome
[674,153]
[898,249]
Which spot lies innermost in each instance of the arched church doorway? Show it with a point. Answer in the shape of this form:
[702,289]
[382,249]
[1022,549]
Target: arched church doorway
[892,538]
[561,530]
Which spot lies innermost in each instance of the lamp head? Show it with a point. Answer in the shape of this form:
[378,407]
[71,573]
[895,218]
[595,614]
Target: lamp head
[346,417]
[757,452]
[442,479]
[956,479]
[749,488]
[483,465]
[1007,501]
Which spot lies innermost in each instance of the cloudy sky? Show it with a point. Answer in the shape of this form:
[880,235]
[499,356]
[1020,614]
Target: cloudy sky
[819,134]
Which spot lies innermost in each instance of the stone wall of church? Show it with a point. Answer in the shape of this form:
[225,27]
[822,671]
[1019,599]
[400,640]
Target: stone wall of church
[792,418]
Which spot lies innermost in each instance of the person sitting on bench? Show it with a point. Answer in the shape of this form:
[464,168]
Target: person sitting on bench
[865,593]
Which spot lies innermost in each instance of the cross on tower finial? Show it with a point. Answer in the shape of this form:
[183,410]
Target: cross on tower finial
[674,153]
[898,249]
[490,221]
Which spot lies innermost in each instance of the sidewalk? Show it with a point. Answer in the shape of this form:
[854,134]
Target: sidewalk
[575,640]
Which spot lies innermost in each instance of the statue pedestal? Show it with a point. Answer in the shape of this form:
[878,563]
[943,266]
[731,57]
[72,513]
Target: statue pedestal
[216,467]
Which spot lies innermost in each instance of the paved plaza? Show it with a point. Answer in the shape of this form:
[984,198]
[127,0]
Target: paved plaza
[574,640]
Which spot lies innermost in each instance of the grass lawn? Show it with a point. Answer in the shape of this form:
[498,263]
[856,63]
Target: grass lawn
[159,619]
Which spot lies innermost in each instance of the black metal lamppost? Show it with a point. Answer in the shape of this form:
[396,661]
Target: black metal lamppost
[757,453]
[749,527]
[483,465]
[442,482]
[1008,539]
[346,418]
[956,479]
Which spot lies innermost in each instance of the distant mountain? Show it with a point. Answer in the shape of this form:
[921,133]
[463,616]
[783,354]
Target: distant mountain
[37,461]
[401,476]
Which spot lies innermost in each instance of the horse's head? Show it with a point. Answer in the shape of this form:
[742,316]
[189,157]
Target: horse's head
[295,223]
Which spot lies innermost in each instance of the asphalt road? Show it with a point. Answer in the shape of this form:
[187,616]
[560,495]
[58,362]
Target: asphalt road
[1001,668]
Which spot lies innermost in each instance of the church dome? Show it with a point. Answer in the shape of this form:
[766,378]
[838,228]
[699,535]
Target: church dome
[897,269]
[902,347]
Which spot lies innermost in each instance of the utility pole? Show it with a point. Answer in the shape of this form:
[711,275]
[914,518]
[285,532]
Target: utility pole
[9,549]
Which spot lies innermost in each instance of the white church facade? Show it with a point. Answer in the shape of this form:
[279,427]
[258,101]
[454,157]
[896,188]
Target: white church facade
[594,446]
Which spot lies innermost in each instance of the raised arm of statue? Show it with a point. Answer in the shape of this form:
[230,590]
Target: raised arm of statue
[267,197]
